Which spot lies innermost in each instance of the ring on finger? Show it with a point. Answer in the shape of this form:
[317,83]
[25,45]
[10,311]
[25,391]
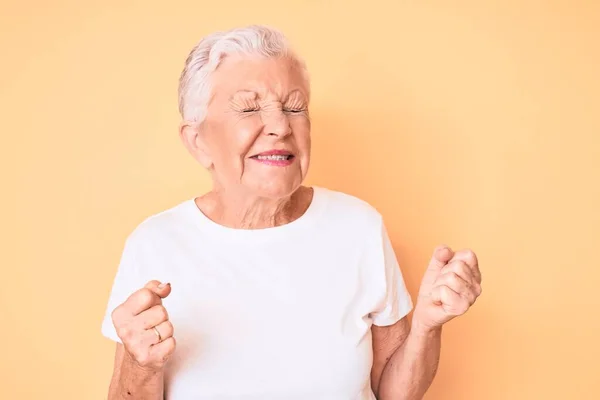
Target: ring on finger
[157,334]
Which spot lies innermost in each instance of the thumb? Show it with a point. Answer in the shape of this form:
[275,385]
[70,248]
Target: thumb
[441,255]
[161,289]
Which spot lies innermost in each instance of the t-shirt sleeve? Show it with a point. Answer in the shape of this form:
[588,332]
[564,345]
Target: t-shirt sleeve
[396,302]
[126,281]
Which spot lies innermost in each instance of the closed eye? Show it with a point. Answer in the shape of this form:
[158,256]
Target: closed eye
[294,110]
[249,110]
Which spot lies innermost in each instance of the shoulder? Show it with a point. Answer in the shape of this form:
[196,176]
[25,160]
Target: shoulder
[161,224]
[350,208]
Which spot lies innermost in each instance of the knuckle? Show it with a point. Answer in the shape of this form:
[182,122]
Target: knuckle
[164,315]
[169,328]
[145,296]
[470,257]
[117,314]
[124,332]
[459,266]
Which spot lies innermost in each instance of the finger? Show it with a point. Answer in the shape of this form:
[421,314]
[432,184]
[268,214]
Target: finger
[461,269]
[165,329]
[161,289]
[149,337]
[141,300]
[441,256]
[470,259]
[466,255]
[458,285]
[468,291]
[152,317]
[451,302]
[163,350]
[442,294]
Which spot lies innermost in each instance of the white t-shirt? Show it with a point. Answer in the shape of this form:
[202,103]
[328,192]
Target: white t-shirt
[275,313]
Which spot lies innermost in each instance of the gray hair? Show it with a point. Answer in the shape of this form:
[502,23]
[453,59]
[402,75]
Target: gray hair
[194,82]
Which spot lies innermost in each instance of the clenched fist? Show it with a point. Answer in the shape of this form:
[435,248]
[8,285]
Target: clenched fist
[143,325]
[449,288]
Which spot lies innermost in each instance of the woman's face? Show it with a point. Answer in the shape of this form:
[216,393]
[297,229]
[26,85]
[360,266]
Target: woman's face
[257,131]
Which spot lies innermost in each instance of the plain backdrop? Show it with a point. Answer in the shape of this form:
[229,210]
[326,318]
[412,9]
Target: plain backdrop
[470,123]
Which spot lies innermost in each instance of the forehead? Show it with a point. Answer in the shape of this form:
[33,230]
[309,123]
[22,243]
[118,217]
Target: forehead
[264,76]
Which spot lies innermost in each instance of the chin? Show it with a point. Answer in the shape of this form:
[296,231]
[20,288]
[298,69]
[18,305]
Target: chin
[277,190]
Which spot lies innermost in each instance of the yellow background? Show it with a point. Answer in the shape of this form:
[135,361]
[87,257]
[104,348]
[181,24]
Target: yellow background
[474,123]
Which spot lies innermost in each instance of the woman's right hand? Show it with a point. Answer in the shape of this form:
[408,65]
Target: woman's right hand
[143,325]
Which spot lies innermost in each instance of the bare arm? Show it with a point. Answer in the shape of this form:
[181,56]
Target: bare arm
[130,381]
[405,360]
[408,358]
[142,323]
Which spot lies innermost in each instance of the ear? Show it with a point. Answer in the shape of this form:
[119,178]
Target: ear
[194,140]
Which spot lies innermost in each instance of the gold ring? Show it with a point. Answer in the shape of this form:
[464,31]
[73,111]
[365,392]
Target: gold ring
[157,334]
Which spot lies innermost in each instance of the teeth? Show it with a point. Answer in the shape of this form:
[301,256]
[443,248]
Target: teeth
[273,157]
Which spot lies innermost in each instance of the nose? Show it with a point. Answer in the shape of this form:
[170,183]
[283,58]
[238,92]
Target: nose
[277,124]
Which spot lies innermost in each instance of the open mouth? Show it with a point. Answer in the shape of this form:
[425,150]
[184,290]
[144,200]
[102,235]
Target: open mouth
[273,157]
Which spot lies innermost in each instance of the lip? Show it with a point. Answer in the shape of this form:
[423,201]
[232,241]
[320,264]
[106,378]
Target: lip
[275,152]
[275,163]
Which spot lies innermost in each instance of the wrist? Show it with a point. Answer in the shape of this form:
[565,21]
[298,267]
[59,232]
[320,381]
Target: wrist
[425,329]
[148,371]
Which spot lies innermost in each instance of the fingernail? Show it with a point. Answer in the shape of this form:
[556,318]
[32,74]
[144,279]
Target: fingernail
[163,285]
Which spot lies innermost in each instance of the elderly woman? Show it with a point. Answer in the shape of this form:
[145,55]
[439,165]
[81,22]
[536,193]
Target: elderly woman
[274,290]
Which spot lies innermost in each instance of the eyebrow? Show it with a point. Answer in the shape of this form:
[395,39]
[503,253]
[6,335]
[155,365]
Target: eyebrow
[245,93]
[254,94]
[295,93]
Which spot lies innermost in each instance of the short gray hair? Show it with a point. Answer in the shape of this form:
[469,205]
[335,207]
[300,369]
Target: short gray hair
[194,82]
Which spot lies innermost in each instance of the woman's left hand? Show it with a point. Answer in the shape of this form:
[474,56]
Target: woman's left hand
[449,288]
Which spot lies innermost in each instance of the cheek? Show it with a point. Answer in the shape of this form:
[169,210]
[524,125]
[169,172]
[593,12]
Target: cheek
[235,141]
[301,129]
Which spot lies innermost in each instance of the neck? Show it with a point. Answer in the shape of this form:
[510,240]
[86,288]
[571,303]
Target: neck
[240,211]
